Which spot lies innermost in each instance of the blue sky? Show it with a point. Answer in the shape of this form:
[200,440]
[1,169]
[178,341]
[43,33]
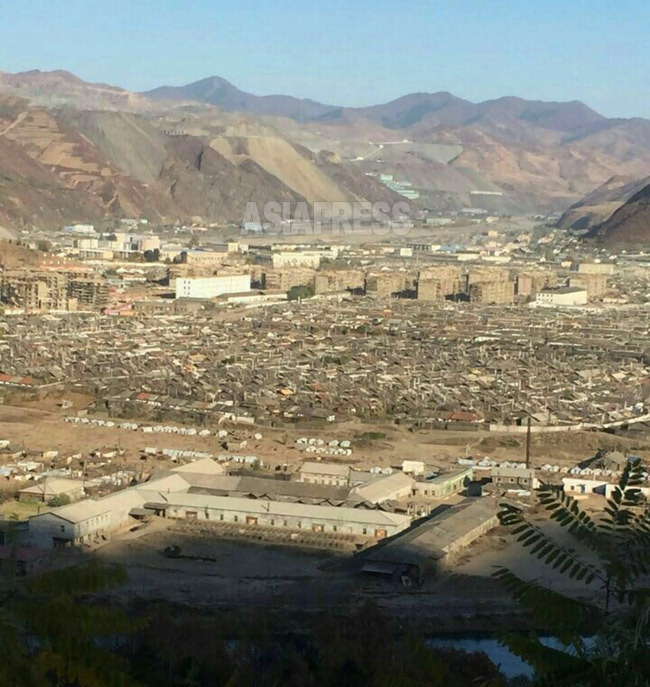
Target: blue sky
[353,52]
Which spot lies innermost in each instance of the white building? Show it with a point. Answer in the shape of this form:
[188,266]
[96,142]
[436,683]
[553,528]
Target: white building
[92,521]
[579,485]
[297,259]
[564,296]
[210,287]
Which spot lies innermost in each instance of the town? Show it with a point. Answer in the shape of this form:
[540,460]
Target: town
[167,400]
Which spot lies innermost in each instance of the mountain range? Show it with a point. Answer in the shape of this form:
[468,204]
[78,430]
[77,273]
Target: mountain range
[205,149]
[418,112]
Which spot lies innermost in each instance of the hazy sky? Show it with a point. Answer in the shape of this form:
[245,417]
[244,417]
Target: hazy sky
[347,52]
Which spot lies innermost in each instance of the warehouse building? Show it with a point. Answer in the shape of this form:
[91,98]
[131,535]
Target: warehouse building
[200,491]
[387,488]
[428,548]
[374,524]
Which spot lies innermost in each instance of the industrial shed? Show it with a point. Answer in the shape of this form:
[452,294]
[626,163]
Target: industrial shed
[424,550]
[376,524]
[391,487]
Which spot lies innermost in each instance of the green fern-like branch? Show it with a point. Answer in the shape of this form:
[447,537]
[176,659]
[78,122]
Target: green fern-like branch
[545,548]
[559,614]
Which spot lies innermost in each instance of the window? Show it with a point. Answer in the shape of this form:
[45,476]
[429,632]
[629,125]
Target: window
[62,528]
[334,528]
[220,516]
[272,523]
[286,524]
[236,518]
[365,530]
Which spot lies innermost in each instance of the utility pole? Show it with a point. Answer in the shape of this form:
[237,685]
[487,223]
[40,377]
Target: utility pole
[528,433]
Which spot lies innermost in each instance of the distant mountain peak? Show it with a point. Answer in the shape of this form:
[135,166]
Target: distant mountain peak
[215,90]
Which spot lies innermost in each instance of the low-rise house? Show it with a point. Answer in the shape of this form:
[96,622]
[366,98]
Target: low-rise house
[443,485]
[513,479]
[317,472]
[51,488]
[580,485]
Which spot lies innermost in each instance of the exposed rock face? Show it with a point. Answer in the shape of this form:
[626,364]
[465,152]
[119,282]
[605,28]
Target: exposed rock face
[629,226]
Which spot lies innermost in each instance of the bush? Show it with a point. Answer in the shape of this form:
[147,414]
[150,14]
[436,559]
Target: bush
[298,292]
[60,500]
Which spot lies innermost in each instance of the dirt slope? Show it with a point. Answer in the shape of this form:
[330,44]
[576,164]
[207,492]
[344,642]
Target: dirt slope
[629,226]
[601,203]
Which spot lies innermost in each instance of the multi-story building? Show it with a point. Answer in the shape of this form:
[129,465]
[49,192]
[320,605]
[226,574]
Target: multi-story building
[210,287]
[285,279]
[89,290]
[338,280]
[296,259]
[37,290]
[438,283]
[385,284]
[595,284]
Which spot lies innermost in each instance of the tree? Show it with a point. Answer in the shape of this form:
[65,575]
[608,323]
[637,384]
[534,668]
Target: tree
[59,500]
[618,620]
[152,255]
[49,635]
[299,292]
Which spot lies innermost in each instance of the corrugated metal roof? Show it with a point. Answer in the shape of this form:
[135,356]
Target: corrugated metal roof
[385,487]
[322,468]
[430,540]
[282,508]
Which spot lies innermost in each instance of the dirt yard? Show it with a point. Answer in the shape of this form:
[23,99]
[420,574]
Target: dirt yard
[261,575]
[37,429]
